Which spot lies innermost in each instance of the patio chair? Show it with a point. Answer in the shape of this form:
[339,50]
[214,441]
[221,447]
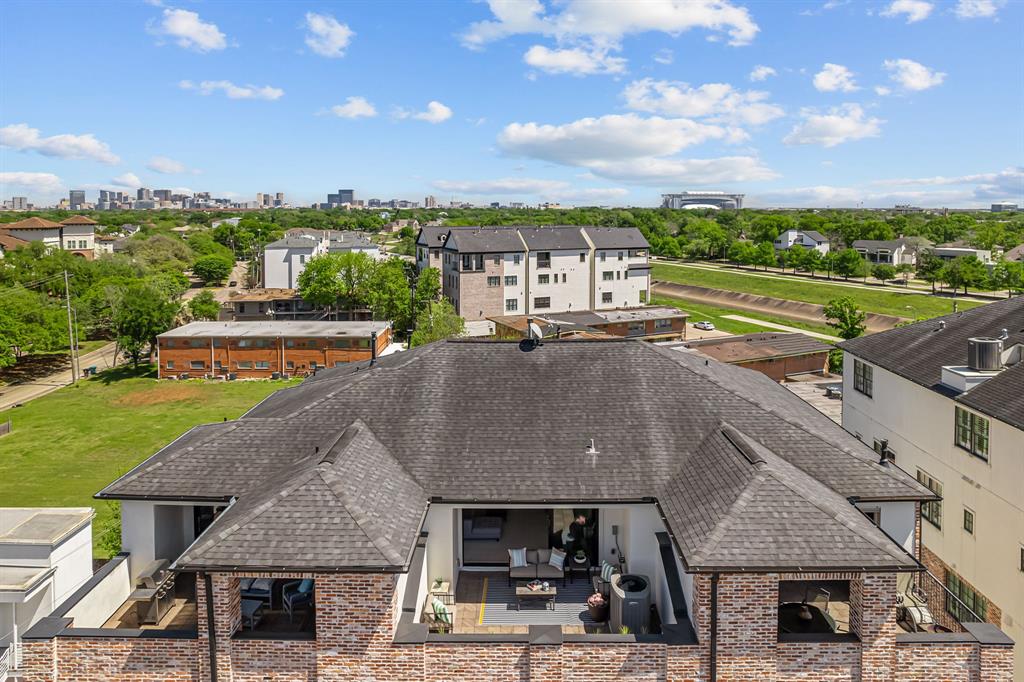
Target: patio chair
[439,612]
[603,581]
[295,594]
[258,588]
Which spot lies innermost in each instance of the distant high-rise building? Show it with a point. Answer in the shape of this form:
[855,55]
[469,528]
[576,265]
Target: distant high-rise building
[259,198]
[1002,206]
[430,202]
[144,194]
[19,203]
[373,203]
[346,196]
[162,194]
[279,199]
[76,198]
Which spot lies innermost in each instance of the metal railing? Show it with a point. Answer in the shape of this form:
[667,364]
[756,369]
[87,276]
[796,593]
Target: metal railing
[10,656]
[937,596]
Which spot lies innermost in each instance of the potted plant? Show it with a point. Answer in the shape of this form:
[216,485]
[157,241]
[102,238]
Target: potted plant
[580,557]
[597,606]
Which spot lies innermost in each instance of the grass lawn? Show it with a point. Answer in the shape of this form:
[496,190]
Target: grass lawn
[910,306]
[700,311]
[67,445]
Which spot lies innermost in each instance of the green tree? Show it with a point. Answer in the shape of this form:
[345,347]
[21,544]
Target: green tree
[766,227]
[812,261]
[204,306]
[842,315]
[438,321]
[764,255]
[388,293]
[849,263]
[144,313]
[741,252]
[337,279]
[1008,275]
[212,269]
[883,272]
[929,268]
[965,271]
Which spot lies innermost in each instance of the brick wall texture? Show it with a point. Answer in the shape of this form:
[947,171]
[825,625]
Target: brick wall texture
[356,613]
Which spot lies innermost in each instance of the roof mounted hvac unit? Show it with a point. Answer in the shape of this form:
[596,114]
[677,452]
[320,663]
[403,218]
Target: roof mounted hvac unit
[984,354]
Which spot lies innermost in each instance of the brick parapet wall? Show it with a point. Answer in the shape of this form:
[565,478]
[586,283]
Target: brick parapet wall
[127,659]
[937,596]
[818,661]
[748,617]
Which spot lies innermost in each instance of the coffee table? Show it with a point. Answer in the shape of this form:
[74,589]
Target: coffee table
[524,593]
[252,612]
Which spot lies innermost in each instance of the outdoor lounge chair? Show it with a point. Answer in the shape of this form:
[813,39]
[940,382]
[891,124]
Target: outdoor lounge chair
[912,610]
[258,588]
[602,582]
[439,612]
[295,594]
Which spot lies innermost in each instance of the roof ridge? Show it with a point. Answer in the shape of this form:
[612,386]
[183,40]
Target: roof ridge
[718,533]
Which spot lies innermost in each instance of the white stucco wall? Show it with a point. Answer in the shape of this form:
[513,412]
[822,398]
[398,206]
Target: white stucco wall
[573,294]
[142,521]
[919,423]
[73,561]
[93,610]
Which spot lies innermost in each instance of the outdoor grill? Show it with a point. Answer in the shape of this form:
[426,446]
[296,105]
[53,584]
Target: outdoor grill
[154,592]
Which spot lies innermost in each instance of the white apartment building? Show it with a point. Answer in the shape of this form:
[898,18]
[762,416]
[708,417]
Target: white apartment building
[285,259]
[488,271]
[76,234]
[946,398]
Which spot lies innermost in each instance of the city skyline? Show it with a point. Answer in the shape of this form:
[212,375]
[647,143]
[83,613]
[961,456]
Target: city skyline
[796,104]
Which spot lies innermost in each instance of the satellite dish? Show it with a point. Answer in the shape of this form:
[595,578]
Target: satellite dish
[535,331]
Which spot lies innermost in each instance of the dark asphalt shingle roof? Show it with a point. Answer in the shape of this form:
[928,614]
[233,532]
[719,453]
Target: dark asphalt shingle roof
[418,439]
[816,236]
[616,238]
[746,347]
[485,240]
[919,351]
[554,238]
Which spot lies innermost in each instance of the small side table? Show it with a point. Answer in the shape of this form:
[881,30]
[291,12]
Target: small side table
[574,567]
[251,612]
[442,590]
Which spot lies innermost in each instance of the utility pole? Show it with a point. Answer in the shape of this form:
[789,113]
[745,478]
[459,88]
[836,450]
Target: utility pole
[71,334]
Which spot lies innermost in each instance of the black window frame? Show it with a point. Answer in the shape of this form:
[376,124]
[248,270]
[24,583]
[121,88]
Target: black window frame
[543,259]
[546,302]
[973,600]
[976,432]
[931,511]
[863,378]
[968,521]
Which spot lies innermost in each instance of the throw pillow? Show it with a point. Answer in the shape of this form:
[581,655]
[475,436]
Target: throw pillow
[306,585]
[441,612]
[557,559]
[246,583]
[606,571]
[517,558]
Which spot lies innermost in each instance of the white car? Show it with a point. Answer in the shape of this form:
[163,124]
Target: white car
[705,325]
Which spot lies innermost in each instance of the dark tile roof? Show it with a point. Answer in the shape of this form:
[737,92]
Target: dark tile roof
[815,235]
[875,244]
[616,238]
[919,351]
[554,238]
[418,439]
[294,243]
[485,240]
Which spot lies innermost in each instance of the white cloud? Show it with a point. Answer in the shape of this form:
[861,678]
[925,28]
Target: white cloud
[611,137]
[882,91]
[833,127]
[168,166]
[354,107]
[977,9]
[719,101]
[609,22]
[761,73]
[1005,184]
[434,113]
[632,148]
[327,36]
[233,91]
[833,77]
[547,189]
[21,137]
[130,180]
[576,61]
[914,10]
[190,32]
[912,75]
[664,56]
[34,183]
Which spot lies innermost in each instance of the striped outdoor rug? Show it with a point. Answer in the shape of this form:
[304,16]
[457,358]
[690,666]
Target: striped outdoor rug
[499,605]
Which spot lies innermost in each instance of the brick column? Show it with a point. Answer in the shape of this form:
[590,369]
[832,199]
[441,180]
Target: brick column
[227,616]
[748,617]
[38,660]
[873,619]
[545,663]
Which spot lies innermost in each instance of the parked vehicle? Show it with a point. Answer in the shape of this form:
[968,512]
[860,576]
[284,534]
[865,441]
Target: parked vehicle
[705,325]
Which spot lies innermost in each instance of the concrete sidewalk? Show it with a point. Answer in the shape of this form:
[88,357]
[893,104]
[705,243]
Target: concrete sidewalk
[782,327]
[101,358]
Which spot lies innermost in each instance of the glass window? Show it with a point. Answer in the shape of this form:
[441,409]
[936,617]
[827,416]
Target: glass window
[543,279]
[243,364]
[170,364]
[964,603]
[607,275]
[972,433]
[543,259]
[510,280]
[863,378]
[494,281]
[662,325]
[196,343]
[620,255]
[968,521]
[511,305]
[542,302]
[931,511]
[290,364]
[606,297]
[583,258]
[603,256]
[197,364]
[515,259]
[497,259]
[262,364]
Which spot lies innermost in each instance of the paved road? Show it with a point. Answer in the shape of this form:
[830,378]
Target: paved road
[102,358]
[222,294]
[781,327]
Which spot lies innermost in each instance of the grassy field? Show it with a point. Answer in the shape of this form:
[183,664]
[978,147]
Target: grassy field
[700,311]
[910,306]
[67,445]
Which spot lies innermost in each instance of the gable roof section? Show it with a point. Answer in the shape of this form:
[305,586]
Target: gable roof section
[918,352]
[78,220]
[354,506]
[554,238]
[485,240]
[616,237]
[8,242]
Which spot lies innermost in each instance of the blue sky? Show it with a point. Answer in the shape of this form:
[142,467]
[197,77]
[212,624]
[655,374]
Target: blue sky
[794,103]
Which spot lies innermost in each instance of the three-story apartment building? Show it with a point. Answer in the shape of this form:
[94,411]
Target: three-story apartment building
[489,271]
[945,398]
